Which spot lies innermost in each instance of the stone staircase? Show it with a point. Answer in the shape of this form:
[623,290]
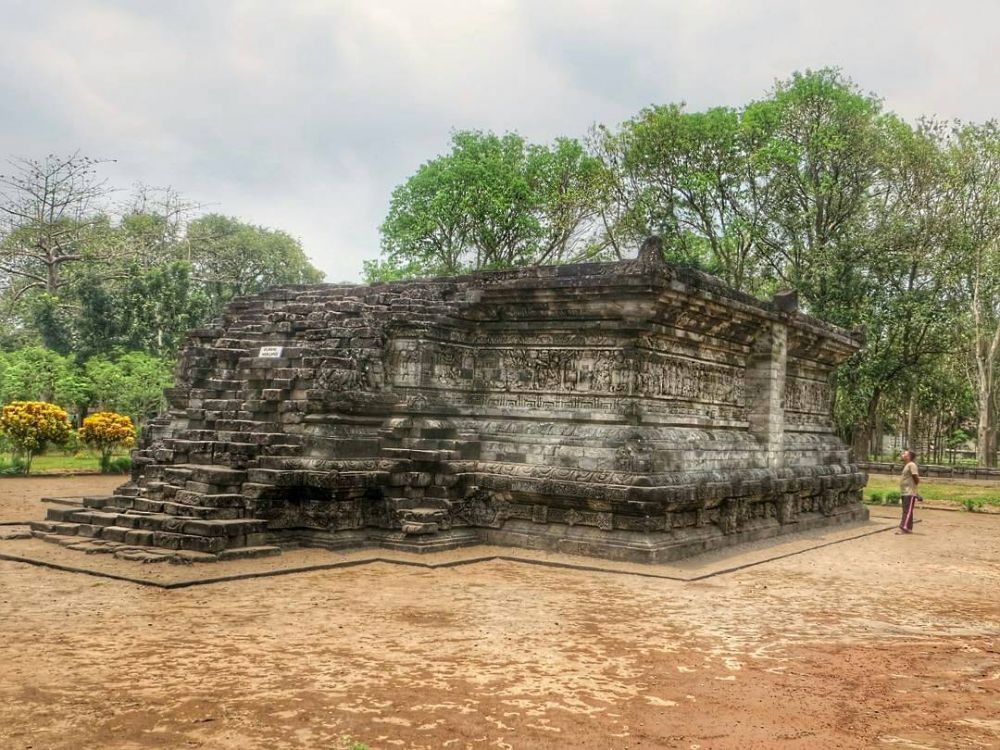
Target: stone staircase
[181,513]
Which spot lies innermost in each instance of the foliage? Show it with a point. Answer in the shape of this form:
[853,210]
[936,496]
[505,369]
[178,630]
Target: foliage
[83,277]
[106,431]
[14,467]
[51,219]
[231,258]
[130,383]
[30,425]
[879,225]
[492,202]
[118,465]
[38,374]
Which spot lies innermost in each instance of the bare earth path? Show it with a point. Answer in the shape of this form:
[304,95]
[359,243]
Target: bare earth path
[883,641]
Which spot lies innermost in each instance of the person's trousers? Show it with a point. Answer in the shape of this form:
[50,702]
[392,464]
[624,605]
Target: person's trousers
[906,522]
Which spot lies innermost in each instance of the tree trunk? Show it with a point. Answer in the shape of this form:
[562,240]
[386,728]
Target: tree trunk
[911,415]
[985,429]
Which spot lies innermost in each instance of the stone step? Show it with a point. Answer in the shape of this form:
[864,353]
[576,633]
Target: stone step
[213,500]
[395,441]
[420,455]
[54,527]
[60,515]
[88,522]
[151,547]
[176,474]
[200,511]
[208,473]
[209,527]
[121,502]
[93,517]
[68,501]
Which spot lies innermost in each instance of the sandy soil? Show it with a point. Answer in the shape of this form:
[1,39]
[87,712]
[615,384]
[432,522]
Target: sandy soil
[19,496]
[883,641]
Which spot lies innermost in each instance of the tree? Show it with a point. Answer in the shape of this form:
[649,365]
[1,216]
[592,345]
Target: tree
[132,383]
[38,374]
[974,156]
[231,258]
[820,161]
[51,217]
[694,178]
[148,310]
[492,202]
[899,289]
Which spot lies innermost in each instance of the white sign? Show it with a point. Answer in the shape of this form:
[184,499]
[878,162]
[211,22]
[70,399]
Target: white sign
[270,352]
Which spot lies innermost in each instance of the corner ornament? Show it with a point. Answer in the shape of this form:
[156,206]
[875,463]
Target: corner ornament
[651,258]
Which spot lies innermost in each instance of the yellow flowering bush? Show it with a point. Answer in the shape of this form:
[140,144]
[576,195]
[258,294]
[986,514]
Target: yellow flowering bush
[106,431]
[30,425]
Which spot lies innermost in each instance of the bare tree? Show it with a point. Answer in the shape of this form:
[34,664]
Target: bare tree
[51,212]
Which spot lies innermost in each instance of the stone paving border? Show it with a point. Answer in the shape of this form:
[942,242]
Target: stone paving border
[388,559]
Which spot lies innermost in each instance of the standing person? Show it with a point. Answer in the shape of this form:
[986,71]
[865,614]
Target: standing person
[908,482]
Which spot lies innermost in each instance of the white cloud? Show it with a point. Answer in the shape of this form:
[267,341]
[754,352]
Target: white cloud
[304,115]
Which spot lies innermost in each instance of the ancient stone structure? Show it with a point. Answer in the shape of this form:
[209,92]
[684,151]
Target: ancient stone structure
[631,410]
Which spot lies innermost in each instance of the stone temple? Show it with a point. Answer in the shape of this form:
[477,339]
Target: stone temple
[631,411]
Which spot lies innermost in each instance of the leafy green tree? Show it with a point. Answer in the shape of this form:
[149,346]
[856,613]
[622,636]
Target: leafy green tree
[974,160]
[148,310]
[899,289]
[231,258]
[492,202]
[132,383]
[694,178]
[39,374]
[821,160]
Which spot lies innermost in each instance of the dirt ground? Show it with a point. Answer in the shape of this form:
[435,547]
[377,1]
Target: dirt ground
[881,641]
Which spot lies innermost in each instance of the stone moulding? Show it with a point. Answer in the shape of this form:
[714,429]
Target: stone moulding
[633,411]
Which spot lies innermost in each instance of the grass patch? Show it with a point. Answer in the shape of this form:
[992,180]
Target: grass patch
[81,461]
[968,494]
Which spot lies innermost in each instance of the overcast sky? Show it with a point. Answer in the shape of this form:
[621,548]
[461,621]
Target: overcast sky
[305,114]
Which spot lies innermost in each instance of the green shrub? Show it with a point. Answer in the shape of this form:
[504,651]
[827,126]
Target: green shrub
[119,465]
[31,425]
[876,498]
[892,498]
[972,505]
[14,467]
[73,445]
[107,431]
